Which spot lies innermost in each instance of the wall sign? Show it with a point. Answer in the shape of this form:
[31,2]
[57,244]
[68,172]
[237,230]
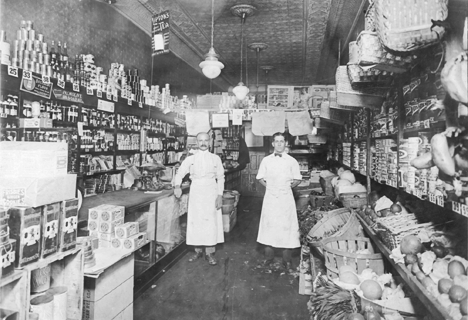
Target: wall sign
[68,96]
[36,87]
[220,120]
[280,97]
[105,105]
[160,33]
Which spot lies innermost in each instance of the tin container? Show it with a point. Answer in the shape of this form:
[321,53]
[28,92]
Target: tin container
[50,229]
[7,256]
[68,224]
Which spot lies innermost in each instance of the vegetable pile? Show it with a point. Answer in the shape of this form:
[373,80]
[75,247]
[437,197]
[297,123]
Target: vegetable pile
[329,301]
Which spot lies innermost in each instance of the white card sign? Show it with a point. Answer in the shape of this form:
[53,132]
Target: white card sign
[220,120]
[237,117]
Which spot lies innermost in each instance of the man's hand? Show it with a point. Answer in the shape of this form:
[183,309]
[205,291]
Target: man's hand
[177,192]
[219,202]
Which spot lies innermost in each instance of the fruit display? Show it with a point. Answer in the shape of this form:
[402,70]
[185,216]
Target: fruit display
[345,182]
[308,218]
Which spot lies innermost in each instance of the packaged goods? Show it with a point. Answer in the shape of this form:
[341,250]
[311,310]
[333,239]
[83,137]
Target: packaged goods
[68,224]
[50,228]
[25,228]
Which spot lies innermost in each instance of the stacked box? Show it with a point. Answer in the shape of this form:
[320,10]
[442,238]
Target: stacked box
[103,220]
[126,230]
[7,258]
[4,230]
[50,228]
[132,243]
[68,224]
[25,229]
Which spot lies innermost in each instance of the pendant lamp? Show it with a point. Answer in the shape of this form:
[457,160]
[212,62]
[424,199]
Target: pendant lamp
[243,11]
[257,47]
[211,67]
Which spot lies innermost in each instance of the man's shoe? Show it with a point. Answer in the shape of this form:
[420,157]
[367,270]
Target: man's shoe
[196,256]
[211,260]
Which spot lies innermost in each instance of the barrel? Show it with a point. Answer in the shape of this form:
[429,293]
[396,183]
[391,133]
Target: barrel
[230,200]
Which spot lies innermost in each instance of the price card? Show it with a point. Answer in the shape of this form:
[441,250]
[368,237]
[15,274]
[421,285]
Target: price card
[13,71]
[464,210]
[79,125]
[140,105]
[27,75]
[116,98]
[3,115]
[440,201]
[46,79]
[456,207]
[76,87]
[427,124]
[61,83]
[129,102]
[432,198]
[99,94]
[108,96]
[89,91]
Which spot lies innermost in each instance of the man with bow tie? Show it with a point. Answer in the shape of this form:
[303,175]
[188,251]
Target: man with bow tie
[204,217]
[279,228]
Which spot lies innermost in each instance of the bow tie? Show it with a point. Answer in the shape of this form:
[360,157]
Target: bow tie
[278,155]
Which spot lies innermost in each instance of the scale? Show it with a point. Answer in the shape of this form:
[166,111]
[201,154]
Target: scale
[149,180]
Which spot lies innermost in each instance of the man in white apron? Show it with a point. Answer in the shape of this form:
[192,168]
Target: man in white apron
[279,228]
[204,218]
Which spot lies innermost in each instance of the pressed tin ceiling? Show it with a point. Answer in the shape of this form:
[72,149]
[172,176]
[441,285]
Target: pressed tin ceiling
[302,35]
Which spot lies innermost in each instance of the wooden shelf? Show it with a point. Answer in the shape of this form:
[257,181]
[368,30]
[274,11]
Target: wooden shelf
[12,277]
[433,306]
[126,152]
[127,131]
[360,140]
[116,171]
[154,151]
[89,127]
[388,136]
[97,153]
[48,260]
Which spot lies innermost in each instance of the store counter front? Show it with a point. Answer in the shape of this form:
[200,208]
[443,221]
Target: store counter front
[161,220]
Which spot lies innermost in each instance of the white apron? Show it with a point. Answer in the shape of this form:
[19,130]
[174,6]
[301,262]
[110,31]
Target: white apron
[204,222]
[278,223]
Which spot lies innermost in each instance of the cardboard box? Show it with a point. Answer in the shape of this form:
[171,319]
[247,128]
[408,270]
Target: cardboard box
[7,258]
[35,191]
[50,228]
[25,228]
[135,242]
[109,226]
[112,213]
[107,296]
[35,123]
[68,224]
[33,159]
[126,230]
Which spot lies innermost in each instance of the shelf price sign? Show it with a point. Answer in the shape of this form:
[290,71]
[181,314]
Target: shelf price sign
[13,71]
[160,33]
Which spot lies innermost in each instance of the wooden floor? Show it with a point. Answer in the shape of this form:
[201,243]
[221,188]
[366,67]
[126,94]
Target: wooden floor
[237,288]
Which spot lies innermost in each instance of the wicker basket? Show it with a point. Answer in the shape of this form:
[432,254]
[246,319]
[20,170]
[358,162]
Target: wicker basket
[371,52]
[365,97]
[338,222]
[353,200]
[369,18]
[361,77]
[340,251]
[406,25]
[394,228]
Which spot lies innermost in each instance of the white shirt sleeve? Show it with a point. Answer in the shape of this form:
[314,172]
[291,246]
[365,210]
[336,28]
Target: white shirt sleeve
[295,170]
[183,170]
[219,175]
[262,169]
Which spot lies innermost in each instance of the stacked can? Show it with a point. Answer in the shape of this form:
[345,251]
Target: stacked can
[29,51]
[363,157]
[347,153]
[356,152]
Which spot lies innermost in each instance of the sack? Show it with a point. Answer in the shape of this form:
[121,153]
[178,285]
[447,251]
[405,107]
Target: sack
[369,18]
[454,78]
[405,25]
[372,53]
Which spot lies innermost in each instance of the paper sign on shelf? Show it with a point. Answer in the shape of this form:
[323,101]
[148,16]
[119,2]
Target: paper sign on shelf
[220,120]
[237,117]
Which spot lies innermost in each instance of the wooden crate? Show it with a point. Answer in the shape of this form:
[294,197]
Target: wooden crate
[14,291]
[111,294]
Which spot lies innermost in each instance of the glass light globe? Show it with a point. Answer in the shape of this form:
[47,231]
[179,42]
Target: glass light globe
[240,91]
[211,67]
[253,88]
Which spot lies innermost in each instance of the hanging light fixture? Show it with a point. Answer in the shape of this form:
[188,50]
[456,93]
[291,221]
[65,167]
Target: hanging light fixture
[243,11]
[266,69]
[257,47]
[211,67]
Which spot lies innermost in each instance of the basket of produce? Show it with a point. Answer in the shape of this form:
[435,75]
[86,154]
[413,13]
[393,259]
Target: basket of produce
[339,222]
[361,77]
[355,252]
[393,229]
[353,199]
[320,200]
[325,183]
[407,25]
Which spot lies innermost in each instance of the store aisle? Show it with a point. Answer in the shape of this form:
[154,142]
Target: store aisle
[237,288]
